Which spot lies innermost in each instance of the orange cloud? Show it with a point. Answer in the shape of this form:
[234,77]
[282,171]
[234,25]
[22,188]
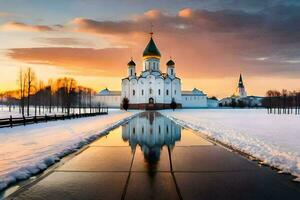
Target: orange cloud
[79,61]
[203,43]
[18,26]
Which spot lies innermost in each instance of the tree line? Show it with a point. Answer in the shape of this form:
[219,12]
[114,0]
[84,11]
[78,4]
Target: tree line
[62,94]
[284,102]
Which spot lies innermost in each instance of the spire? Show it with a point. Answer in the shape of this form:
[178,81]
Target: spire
[241,84]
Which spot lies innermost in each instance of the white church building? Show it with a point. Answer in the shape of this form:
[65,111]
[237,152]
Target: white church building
[152,88]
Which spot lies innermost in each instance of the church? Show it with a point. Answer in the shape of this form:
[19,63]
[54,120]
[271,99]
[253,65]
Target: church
[152,88]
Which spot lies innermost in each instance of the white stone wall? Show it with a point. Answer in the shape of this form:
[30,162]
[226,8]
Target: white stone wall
[194,101]
[151,64]
[111,101]
[212,103]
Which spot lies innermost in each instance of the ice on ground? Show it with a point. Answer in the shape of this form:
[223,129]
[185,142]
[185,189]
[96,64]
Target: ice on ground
[27,150]
[273,139]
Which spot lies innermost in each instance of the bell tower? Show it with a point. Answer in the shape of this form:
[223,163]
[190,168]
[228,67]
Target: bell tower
[131,68]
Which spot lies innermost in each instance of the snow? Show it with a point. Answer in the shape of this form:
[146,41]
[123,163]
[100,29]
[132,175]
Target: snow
[273,139]
[27,150]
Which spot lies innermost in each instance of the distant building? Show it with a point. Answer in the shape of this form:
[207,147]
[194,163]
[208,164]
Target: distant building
[240,98]
[241,88]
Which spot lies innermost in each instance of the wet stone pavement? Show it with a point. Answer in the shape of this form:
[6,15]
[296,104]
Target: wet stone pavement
[151,157]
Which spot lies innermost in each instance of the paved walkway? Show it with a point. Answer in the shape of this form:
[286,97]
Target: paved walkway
[194,169]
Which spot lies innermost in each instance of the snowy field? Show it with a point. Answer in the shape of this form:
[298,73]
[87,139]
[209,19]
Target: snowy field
[26,150]
[274,139]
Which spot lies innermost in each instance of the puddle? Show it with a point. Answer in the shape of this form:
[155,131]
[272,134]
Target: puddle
[150,132]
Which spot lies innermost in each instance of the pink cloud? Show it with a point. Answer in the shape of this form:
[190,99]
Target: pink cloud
[18,26]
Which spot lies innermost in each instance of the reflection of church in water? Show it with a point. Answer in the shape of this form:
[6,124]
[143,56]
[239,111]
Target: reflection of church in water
[151,131]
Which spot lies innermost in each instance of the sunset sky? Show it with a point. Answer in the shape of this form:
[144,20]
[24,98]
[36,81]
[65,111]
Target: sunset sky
[211,41]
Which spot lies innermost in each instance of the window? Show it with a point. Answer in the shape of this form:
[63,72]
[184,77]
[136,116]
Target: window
[142,92]
[142,130]
[186,98]
[158,91]
[150,91]
[167,129]
[174,91]
[171,71]
[133,92]
[159,129]
[133,130]
[167,92]
[131,72]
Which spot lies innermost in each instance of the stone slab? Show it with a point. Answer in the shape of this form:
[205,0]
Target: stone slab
[233,185]
[144,186]
[113,138]
[208,158]
[188,138]
[78,185]
[100,159]
[140,162]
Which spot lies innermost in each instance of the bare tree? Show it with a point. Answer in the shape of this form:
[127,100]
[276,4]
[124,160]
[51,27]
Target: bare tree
[30,77]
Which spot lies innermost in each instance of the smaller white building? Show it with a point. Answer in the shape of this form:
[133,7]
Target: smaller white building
[108,98]
[193,99]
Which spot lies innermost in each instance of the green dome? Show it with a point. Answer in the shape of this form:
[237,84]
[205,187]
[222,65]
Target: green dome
[131,63]
[170,63]
[151,50]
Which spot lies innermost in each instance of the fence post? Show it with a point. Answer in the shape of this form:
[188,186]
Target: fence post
[10,120]
[24,120]
[46,117]
[55,117]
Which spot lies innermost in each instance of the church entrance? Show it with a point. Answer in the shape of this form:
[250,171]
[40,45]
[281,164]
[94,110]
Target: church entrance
[150,105]
[151,100]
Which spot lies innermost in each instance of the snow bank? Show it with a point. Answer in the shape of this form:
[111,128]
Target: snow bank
[25,151]
[273,139]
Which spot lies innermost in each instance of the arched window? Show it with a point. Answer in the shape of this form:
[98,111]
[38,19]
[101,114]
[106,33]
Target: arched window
[171,71]
[131,72]
[133,130]
[150,91]
[133,92]
[159,129]
[167,92]
[142,92]
[158,91]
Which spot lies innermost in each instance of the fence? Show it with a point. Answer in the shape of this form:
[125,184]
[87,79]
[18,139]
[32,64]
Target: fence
[17,121]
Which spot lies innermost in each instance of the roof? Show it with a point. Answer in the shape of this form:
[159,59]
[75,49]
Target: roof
[107,92]
[151,49]
[241,84]
[131,63]
[170,63]
[194,92]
